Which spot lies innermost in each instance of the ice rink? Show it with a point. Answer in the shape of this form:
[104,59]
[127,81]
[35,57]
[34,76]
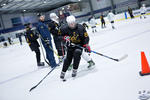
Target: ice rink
[109,80]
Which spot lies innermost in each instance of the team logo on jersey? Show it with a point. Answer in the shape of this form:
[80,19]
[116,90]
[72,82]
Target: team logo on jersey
[75,38]
[49,28]
[31,35]
[85,34]
[56,25]
[59,32]
[144,95]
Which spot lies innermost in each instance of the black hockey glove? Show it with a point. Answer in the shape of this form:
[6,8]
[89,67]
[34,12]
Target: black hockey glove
[47,42]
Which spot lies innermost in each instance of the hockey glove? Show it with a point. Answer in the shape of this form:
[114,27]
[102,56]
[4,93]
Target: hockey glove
[67,40]
[87,48]
[47,42]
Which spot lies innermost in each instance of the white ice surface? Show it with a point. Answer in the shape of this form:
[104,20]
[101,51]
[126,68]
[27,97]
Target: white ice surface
[109,80]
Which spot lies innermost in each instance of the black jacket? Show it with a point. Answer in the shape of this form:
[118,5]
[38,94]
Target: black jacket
[31,38]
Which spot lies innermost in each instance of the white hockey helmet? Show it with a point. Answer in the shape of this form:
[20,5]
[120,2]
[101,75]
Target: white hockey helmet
[143,5]
[71,19]
[53,16]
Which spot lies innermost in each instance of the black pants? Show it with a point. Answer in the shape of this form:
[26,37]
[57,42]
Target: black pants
[38,55]
[59,46]
[131,15]
[103,24]
[72,53]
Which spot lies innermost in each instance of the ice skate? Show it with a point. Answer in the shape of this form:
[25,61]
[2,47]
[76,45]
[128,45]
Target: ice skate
[91,63]
[74,73]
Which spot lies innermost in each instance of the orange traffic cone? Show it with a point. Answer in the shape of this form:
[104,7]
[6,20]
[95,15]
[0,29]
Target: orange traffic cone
[145,65]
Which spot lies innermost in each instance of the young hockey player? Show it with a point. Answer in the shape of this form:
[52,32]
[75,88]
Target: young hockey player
[20,38]
[76,34]
[102,21]
[93,24]
[110,17]
[54,26]
[10,41]
[143,11]
[130,12]
[46,41]
[31,38]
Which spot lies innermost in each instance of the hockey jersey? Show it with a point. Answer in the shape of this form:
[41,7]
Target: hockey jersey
[111,16]
[143,10]
[77,35]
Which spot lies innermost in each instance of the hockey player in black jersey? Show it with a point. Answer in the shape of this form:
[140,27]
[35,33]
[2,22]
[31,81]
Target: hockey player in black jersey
[102,21]
[54,27]
[31,38]
[75,34]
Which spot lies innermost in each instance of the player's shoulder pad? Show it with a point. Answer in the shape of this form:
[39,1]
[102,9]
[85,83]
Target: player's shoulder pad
[51,23]
[80,27]
[63,27]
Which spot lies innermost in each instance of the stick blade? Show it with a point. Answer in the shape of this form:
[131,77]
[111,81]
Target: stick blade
[32,88]
[123,57]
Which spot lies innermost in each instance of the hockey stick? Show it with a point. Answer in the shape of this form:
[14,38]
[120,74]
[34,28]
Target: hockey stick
[41,80]
[43,53]
[122,58]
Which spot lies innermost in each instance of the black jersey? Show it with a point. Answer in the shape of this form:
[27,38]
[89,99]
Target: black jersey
[77,35]
[32,40]
[102,18]
[54,28]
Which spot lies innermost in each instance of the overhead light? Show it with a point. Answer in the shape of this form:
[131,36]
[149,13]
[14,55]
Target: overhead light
[68,6]
[44,1]
[24,10]
[79,0]
[4,4]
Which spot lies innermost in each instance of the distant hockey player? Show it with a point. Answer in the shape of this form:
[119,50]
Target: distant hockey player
[130,12]
[20,38]
[31,39]
[111,17]
[93,24]
[102,21]
[143,11]
[76,34]
[54,27]
[45,36]
[9,40]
